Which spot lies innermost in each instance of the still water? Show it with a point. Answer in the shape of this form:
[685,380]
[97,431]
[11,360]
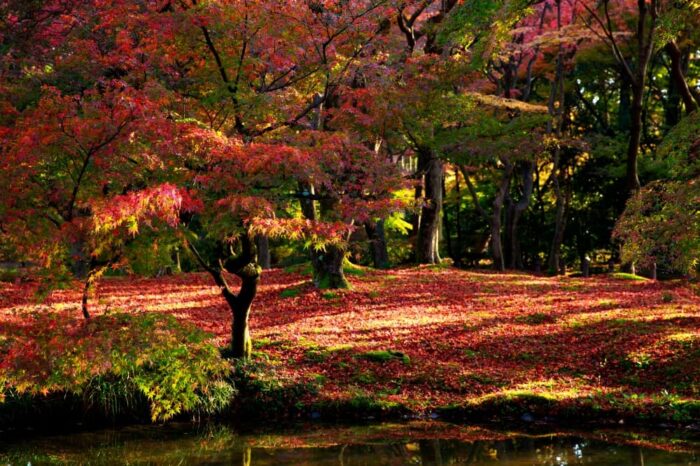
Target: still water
[419,443]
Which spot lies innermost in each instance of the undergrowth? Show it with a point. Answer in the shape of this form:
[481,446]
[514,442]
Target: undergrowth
[115,364]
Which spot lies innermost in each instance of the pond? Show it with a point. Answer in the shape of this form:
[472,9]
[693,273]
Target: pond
[416,443]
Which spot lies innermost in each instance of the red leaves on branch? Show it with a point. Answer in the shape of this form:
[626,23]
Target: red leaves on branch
[164,202]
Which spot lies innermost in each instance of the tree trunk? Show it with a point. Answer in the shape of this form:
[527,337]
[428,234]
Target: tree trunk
[241,344]
[328,268]
[86,296]
[416,217]
[516,260]
[94,271]
[507,229]
[447,228]
[636,125]
[427,243]
[263,244]
[306,201]
[680,85]
[624,112]
[378,246]
[245,267]
[496,246]
[458,207]
[554,260]
[178,264]
[327,264]
[496,243]
[80,263]
[672,105]
[557,94]
[646,26]
[430,452]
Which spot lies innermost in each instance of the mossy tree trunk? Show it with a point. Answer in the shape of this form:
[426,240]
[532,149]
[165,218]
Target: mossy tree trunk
[515,212]
[328,268]
[327,263]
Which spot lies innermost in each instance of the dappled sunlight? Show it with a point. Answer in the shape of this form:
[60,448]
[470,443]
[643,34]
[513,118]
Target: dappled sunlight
[549,389]
[465,335]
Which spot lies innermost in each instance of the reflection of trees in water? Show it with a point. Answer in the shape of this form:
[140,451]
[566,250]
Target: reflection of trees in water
[637,457]
[224,446]
[546,451]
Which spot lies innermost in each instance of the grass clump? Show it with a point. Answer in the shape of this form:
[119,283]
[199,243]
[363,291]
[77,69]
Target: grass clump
[316,355]
[538,318]
[385,356]
[303,268]
[627,276]
[352,269]
[290,293]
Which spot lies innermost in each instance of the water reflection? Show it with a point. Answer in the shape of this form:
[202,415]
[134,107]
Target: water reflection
[427,445]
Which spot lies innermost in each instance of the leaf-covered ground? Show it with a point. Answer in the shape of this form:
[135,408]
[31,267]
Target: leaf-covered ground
[434,337]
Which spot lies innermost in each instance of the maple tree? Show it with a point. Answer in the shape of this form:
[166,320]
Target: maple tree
[218,104]
[269,147]
[74,197]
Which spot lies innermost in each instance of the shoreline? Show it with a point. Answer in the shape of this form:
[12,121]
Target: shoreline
[65,413]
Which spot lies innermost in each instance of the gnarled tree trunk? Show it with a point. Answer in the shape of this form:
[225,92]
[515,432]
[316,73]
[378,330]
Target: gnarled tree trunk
[244,266]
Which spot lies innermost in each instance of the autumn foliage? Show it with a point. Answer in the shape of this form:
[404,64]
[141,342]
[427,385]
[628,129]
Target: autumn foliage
[628,347]
[163,155]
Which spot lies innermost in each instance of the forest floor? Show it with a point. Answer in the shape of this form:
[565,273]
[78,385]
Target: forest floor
[462,344]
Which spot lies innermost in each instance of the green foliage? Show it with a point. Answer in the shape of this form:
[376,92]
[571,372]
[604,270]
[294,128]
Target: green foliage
[484,24]
[290,292]
[351,269]
[396,222]
[328,294]
[661,225]
[147,254]
[113,360]
[680,149]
